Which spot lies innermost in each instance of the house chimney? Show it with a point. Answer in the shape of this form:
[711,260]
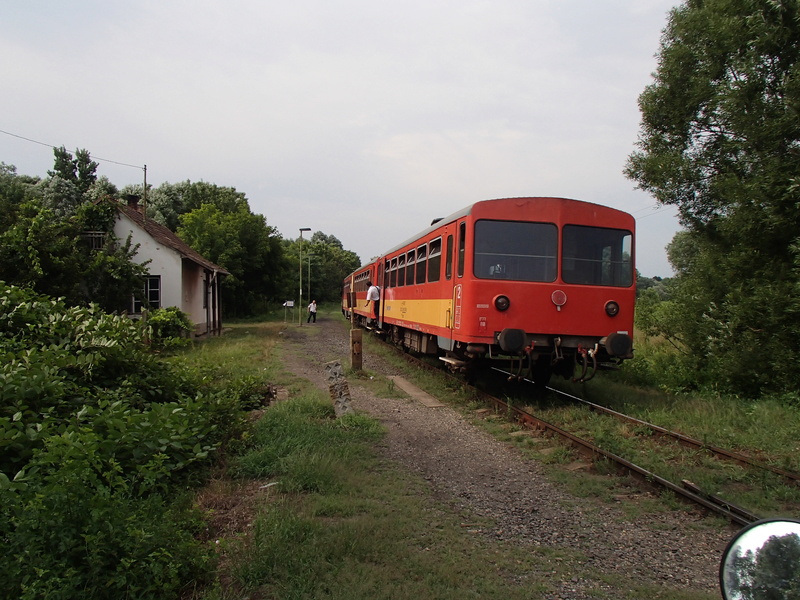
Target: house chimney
[133,201]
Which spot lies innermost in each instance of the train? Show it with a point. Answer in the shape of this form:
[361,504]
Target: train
[536,286]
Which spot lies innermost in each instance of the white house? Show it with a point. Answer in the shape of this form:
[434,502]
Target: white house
[178,276]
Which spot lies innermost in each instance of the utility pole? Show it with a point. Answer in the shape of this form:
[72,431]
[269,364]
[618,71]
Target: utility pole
[300,251]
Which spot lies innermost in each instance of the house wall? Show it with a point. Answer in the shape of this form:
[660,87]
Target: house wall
[192,301]
[168,264]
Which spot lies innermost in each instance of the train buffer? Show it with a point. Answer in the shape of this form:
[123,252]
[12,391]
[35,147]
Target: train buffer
[417,394]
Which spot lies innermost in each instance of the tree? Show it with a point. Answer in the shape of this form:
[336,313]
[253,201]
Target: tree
[720,139]
[43,247]
[245,245]
[331,263]
[167,202]
[217,222]
[80,170]
[769,572]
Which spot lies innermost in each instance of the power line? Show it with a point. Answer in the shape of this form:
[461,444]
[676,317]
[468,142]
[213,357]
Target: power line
[649,207]
[655,208]
[108,160]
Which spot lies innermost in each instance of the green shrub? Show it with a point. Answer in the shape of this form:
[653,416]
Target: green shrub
[79,532]
[95,434]
[170,327]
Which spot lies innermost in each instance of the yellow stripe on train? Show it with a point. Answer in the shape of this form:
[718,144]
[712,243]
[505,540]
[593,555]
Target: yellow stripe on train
[435,312]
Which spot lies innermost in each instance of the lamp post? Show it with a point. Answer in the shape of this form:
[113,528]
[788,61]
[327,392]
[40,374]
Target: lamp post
[300,305]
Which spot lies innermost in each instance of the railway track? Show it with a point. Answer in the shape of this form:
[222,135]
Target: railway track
[684,489]
[685,440]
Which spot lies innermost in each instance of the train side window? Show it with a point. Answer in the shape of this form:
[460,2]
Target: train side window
[401,270]
[393,273]
[386,274]
[410,268]
[462,247]
[435,260]
[448,265]
[422,252]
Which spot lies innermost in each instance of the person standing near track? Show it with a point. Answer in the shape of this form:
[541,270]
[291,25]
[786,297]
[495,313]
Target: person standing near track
[312,312]
[374,296]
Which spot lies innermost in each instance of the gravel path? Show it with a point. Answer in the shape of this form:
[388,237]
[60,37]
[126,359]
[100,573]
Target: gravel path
[472,471]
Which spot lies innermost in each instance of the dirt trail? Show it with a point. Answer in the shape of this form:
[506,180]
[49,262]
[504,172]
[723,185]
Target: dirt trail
[471,471]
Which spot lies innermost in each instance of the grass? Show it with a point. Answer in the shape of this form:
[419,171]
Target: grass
[326,517]
[767,429]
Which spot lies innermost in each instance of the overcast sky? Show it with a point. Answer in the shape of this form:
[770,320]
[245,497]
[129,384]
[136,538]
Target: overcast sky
[361,119]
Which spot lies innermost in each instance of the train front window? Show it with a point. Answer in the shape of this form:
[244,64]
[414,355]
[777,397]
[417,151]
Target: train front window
[515,251]
[597,256]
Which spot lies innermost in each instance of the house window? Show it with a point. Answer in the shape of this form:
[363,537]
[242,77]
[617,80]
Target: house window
[151,294]
[95,239]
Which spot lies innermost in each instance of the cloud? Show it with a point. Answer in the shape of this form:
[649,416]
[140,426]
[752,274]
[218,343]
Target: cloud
[360,119]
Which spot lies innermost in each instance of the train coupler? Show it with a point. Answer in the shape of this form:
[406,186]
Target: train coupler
[586,357]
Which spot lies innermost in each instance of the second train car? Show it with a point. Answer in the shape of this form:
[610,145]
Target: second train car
[543,285]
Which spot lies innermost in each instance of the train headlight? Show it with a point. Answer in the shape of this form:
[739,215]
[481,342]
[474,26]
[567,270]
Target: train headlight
[502,303]
[612,308]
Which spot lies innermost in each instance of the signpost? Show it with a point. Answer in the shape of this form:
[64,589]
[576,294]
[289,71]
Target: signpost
[286,306]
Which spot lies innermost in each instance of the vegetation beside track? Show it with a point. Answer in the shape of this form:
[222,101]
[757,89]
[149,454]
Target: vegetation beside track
[340,523]
[331,519]
[766,429]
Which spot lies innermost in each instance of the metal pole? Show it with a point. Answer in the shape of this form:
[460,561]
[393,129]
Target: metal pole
[300,251]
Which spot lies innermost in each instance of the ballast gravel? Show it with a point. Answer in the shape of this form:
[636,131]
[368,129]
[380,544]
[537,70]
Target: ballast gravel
[474,473]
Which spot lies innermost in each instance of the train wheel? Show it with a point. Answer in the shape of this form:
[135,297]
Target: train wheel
[397,335]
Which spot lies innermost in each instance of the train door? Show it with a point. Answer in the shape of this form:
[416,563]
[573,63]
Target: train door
[379,281]
[455,252]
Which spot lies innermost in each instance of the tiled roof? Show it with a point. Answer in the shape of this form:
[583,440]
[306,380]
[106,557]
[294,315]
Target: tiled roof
[165,237]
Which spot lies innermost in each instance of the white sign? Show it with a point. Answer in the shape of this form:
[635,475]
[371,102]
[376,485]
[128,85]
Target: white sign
[289,304]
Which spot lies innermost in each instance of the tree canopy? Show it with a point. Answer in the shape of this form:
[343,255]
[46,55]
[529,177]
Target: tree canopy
[43,244]
[720,139]
[42,237]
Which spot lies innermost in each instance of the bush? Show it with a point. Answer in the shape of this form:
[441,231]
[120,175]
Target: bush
[95,434]
[80,532]
[170,327]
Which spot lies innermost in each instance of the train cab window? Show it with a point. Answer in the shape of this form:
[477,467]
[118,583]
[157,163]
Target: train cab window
[515,250]
[462,248]
[401,270]
[448,261]
[597,256]
[435,260]
[422,263]
[393,273]
[410,268]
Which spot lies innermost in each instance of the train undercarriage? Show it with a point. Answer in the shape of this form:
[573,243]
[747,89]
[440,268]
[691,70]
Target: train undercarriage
[524,356]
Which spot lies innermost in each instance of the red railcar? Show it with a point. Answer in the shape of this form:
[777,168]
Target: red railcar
[542,283]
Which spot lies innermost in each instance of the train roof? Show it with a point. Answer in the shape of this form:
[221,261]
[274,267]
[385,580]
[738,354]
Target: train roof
[439,222]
